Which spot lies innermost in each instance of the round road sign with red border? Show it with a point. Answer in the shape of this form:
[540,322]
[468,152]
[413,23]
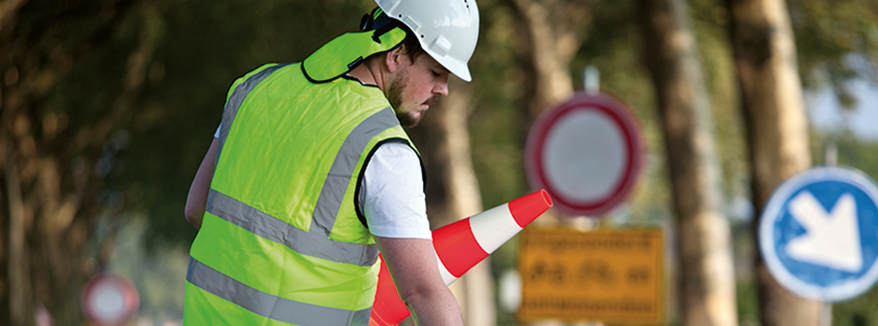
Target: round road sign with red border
[109,299]
[586,152]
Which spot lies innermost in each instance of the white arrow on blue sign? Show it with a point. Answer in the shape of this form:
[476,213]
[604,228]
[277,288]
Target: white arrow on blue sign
[818,234]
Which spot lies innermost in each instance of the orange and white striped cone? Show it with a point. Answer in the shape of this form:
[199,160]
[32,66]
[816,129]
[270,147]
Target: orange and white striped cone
[460,246]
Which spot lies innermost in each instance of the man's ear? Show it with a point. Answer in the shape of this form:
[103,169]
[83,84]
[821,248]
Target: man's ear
[394,58]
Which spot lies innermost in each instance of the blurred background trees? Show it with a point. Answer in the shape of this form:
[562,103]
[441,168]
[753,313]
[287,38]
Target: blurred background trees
[107,107]
[707,279]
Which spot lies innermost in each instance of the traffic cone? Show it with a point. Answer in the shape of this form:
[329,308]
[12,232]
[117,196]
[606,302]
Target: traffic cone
[460,246]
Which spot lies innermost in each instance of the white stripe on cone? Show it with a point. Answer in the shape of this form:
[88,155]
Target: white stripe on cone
[446,275]
[492,228]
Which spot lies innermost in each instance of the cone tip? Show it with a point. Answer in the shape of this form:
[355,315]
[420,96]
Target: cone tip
[526,209]
[546,197]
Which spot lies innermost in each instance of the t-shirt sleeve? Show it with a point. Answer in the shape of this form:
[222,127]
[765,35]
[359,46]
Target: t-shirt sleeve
[392,194]
[216,134]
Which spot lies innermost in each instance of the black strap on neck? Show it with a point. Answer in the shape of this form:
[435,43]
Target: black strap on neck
[378,21]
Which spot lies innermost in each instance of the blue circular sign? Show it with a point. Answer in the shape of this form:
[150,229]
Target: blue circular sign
[819,234]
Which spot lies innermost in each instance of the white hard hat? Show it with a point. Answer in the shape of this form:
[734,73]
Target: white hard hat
[447,30]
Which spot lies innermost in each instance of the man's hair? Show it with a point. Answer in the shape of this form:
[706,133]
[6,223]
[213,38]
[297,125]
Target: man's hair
[412,46]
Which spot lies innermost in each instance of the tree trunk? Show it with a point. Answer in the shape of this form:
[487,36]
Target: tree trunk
[776,128]
[707,283]
[550,46]
[45,247]
[19,291]
[51,193]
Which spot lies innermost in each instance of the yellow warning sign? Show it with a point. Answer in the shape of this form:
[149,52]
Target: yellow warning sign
[613,276]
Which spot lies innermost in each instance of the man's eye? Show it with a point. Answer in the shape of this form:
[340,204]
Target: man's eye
[436,74]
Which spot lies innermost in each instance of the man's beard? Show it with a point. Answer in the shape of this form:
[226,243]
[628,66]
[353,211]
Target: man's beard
[394,96]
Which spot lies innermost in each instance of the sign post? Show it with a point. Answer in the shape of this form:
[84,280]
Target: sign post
[818,234]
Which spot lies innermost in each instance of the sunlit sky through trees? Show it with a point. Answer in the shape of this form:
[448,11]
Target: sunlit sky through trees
[826,114]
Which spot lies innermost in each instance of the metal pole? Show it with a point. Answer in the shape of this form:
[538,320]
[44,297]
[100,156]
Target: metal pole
[591,80]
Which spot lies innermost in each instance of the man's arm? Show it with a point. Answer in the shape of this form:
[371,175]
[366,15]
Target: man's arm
[413,266]
[197,199]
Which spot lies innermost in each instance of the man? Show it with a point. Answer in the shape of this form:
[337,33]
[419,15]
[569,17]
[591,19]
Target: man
[311,173]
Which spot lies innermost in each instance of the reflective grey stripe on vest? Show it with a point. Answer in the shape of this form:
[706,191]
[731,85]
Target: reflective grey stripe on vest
[236,99]
[316,241]
[342,170]
[269,305]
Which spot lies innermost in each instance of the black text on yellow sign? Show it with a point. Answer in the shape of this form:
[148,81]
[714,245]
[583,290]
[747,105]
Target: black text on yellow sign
[613,276]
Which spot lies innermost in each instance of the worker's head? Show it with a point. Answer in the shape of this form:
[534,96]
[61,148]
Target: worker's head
[413,83]
[393,42]
[445,31]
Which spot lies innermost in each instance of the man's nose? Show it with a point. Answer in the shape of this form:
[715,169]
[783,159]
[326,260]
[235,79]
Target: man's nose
[441,86]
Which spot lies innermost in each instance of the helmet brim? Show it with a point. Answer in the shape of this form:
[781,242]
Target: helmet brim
[456,67]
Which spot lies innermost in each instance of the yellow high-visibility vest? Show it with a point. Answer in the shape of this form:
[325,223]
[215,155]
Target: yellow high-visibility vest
[282,241]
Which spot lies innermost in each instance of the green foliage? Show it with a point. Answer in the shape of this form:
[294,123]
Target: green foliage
[858,153]
[748,302]
[827,32]
[858,312]
[711,23]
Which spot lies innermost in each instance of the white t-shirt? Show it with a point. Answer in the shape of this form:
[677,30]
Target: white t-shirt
[392,193]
